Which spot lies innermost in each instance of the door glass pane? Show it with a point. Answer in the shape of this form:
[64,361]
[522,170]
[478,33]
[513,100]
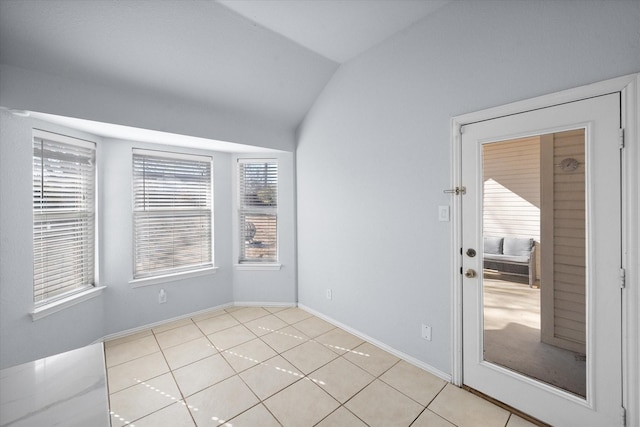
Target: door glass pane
[534,280]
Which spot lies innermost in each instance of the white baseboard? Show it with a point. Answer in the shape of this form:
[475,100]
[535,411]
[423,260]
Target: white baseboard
[409,359]
[160,323]
[264,304]
[197,313]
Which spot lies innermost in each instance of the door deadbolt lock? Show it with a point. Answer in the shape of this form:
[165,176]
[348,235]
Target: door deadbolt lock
[471,253]
[470,273]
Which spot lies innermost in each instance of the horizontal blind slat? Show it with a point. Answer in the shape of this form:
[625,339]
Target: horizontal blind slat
[63,216]
[258,202]
[172,212]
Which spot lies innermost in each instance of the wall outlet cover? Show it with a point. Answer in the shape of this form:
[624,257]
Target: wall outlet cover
[426,332]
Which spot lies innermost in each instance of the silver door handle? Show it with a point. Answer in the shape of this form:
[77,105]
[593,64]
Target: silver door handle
[470,273]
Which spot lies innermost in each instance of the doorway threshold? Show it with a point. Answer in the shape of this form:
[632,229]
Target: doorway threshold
[504,406]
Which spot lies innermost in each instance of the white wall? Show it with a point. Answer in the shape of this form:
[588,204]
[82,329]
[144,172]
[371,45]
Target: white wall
[374,152]
[22,339]
[127,307]
[121,307]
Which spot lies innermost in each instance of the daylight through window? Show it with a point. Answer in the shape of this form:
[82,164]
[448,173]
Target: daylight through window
[64,177]
[172,213]
[258,208]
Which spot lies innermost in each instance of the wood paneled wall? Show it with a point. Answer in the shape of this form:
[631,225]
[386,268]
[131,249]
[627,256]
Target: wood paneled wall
[564,228]
[528,194]
[512,188]
[511,199]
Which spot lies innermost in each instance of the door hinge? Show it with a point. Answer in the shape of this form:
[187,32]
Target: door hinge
[623,415]
[457,191]
[621,138]
[623,278]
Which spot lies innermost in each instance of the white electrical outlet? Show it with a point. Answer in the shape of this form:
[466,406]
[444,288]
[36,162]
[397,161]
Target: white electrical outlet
[426,332]
[328,293]
[162,296]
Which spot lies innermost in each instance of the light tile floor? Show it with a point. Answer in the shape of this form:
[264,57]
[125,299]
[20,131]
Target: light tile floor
[255,366]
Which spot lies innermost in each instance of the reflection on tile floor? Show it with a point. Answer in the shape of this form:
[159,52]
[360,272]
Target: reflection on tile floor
[255,366]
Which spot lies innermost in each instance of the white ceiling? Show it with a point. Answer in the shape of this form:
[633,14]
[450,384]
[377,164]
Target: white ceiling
[336,29]
[256,59]
[195,52]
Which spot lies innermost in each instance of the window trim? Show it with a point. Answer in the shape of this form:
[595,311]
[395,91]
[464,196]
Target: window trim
[48,309]
[252,264]
[168,276]
[165,278]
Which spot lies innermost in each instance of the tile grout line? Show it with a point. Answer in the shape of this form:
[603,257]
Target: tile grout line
[426,408]
[184,399]
[305,376]
[237,373]
[278,354]
[132,422]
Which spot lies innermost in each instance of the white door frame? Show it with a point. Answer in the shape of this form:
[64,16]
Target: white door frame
[629,86]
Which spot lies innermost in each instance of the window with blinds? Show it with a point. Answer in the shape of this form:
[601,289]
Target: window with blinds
[172,213]
[64,182]
[258,210]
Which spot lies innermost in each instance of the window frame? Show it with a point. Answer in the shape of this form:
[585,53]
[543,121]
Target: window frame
[82,292]
[150,277]
[245,263]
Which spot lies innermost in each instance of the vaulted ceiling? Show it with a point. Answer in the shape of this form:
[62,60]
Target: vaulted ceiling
[266,59]
[336,29]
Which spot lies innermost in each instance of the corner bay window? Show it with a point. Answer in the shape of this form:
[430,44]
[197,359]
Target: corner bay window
[64,181]
[172,213]
[257,210]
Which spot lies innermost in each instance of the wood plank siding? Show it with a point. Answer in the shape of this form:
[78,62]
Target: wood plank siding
[527,194]
[511,197]
[563,260]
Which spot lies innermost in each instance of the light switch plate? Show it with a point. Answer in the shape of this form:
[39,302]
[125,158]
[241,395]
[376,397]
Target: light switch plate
[443,213]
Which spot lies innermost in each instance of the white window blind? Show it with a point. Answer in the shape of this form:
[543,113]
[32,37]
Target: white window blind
[258,209]
[172,213]
[64,177]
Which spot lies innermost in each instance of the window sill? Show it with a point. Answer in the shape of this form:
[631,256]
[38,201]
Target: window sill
[54,307]
[258,267]
[148,281]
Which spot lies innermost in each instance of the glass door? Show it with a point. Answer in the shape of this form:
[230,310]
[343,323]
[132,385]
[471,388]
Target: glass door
[534,263]
[541,237]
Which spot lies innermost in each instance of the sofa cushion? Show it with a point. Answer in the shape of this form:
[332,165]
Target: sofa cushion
[517,246]
[514,259]
[493,245]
